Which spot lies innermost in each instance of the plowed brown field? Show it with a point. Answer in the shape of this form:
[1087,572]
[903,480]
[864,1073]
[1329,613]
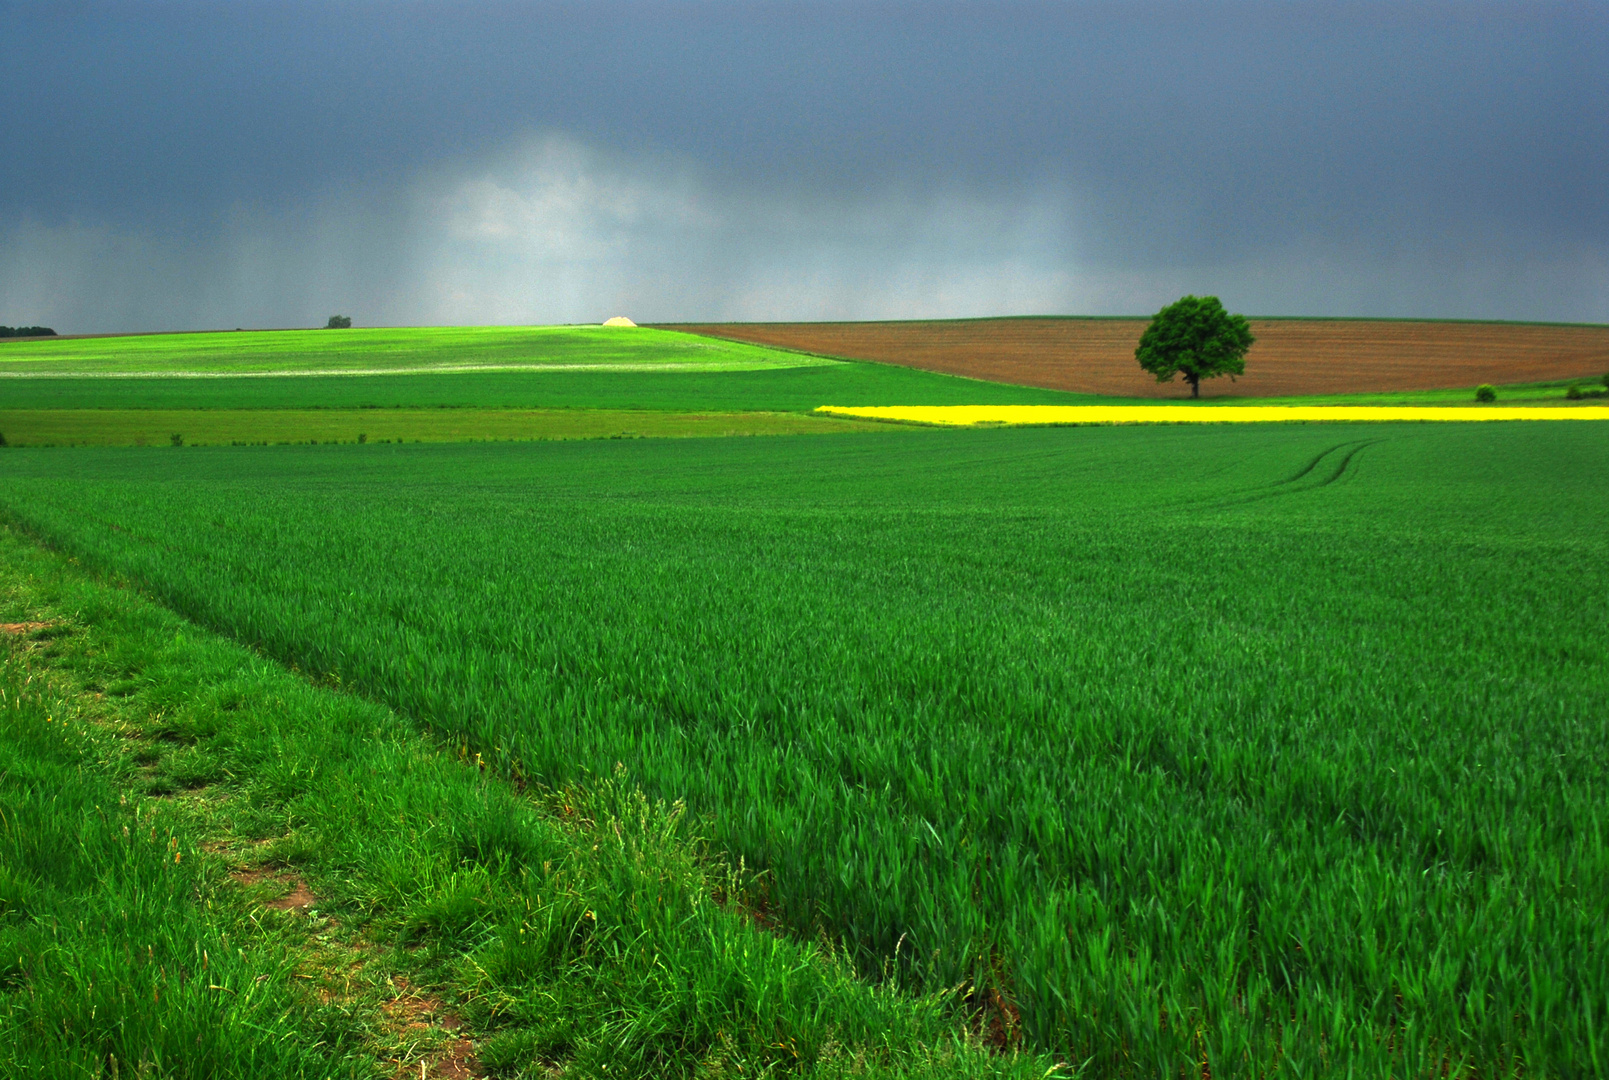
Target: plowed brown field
[1291,356]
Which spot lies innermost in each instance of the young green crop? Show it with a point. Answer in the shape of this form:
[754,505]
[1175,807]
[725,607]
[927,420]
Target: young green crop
[795,389]
[159,784]
[391,349]
[1289,760]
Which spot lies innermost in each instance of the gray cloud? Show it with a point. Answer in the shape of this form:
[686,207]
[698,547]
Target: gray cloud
[267,163]
[551,230]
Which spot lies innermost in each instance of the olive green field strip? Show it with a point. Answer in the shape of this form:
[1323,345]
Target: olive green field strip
[371,352]
[212,427]
[1252,749]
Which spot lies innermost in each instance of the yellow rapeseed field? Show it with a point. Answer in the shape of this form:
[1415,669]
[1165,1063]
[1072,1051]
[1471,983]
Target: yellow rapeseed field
[966,415]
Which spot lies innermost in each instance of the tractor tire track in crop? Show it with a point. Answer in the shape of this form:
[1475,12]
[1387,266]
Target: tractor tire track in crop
[1311,465]
[1346,449]
[1321,463]
[1346,462]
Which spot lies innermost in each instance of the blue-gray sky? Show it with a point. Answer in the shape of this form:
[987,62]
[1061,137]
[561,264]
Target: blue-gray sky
[266,163]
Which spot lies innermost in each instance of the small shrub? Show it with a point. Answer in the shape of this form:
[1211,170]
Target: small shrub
[176,439]
[362,438]
[1486,392]
[1605,380]
[1574,393]
[2,438]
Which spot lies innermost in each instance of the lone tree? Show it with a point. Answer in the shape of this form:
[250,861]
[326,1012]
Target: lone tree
[1195,337]
[339,322]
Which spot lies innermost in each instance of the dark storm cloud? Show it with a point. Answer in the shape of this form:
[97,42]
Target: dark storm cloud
[252,162]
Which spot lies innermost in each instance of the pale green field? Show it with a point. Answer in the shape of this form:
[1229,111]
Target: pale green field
[388,350]
[223,427]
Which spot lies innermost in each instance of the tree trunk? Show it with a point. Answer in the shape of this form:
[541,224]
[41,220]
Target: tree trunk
[1195,385]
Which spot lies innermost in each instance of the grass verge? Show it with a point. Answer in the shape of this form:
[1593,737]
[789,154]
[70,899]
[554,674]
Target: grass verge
[212,866]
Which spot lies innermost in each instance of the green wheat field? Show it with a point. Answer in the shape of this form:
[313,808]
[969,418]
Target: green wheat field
[1262,751]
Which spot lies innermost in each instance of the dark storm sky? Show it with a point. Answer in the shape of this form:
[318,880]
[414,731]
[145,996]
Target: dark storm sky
[173,164]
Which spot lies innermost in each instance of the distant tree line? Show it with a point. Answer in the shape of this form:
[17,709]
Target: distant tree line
[339,322]
[26,331]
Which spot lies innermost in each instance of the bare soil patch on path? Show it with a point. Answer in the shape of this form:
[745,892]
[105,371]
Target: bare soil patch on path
[1291,356]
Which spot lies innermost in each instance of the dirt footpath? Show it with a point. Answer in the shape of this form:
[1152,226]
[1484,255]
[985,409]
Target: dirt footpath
[1291,356]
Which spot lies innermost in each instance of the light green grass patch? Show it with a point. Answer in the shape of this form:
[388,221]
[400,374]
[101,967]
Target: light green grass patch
[215,427]
[390,350]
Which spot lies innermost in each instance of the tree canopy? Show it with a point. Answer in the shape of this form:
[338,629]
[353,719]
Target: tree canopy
[1195,337]
[339,322]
